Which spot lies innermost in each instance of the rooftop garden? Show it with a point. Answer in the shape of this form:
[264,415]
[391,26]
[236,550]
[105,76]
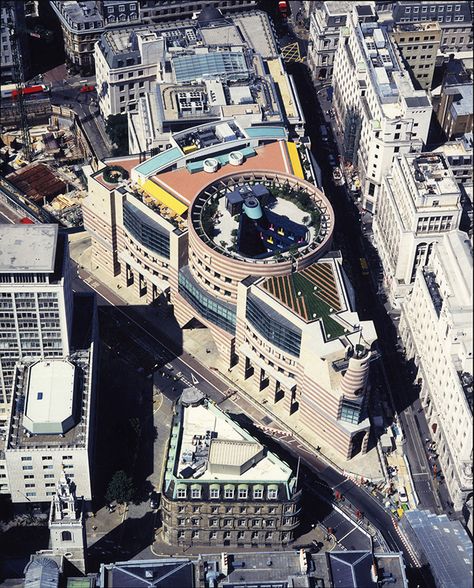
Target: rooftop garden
[113,174]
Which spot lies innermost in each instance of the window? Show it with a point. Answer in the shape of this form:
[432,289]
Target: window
[195,522]
[214,522]
[196,492]
[241,523]
[219,313]
[243,493]
[48,476]
[27,458]
[229,492]
[227,522]
[272,326]
[30,494]
[215,510]
[29,485]
[396,149]
[48,467]
[258,493]
[181,522]
[195,534]
[181,535]
[256,522]
[28,476]
[27,467]
[47,457]
[181,493]
[214,493]
[146,231]
[213,535]
[272,494]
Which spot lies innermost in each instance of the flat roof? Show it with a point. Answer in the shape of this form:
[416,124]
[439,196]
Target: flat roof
[50,396]
[160,161]
[266,132]
[198,420]
[185,185]
[28,248]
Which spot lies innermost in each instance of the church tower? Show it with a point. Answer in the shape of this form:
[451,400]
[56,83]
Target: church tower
[66,524]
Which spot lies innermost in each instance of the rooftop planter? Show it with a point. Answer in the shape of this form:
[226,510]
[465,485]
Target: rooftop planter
[113,174]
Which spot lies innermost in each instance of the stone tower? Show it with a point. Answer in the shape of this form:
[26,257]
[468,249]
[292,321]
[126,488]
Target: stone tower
[66,524]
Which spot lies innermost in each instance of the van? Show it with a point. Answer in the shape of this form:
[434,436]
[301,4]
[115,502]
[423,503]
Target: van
[324,132]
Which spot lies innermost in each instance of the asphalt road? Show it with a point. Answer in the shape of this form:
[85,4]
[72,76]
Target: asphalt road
[67,93]
[353,244]
[189,371]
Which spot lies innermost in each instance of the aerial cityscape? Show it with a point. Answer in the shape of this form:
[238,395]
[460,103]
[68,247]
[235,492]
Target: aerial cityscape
[236,294]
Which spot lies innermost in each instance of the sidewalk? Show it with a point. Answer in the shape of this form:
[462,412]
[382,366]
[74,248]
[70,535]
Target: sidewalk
[199,343]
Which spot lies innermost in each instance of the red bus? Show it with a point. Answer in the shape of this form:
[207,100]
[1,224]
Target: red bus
[86,88]
[283,8]
[10,91]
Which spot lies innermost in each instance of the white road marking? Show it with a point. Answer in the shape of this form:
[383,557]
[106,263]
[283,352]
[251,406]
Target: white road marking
[194,379]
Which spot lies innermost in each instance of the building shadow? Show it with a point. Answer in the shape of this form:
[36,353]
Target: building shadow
[122,543]
[125,431]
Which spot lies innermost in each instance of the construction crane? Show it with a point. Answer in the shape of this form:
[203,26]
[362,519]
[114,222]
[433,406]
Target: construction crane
[18,79]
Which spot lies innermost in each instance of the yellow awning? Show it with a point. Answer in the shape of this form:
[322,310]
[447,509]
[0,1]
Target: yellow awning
[164,197]
[295,160]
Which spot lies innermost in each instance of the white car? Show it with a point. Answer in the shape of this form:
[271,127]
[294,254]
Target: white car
[402,494]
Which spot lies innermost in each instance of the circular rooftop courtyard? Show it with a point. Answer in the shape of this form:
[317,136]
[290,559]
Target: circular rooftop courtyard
[262,218]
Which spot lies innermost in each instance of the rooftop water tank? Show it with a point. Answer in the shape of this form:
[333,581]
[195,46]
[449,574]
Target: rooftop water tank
[236,158]
[210,165]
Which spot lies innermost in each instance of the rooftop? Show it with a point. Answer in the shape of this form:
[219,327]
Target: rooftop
[28,248]
[204,424]
[165,572]
[312,294]
[38,182]
[444,544]
[432,175]
[77,436]
[186,186]
[49,397]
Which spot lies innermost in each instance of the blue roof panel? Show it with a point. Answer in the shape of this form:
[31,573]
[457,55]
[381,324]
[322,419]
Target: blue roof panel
[160,161]
[266,132]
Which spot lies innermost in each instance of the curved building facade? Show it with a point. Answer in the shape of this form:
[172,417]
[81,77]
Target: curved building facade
[246,250]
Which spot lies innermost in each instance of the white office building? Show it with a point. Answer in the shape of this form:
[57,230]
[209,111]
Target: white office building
[50,429]
[437,332]
[36,299]
[326,21]
[378,112]
[170,77]
[419,202]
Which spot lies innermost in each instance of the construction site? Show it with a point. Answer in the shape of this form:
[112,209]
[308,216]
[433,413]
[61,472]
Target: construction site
[42,150]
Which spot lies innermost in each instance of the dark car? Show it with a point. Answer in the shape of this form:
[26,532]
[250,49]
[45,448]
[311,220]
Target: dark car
[154,501]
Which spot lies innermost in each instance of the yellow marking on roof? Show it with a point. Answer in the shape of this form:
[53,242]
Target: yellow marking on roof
[158,193]
[295,160]
[282,82]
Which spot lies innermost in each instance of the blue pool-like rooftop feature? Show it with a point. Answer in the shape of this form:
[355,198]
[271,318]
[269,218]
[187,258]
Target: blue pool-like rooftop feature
[158,162]
[197,166]
[270,132]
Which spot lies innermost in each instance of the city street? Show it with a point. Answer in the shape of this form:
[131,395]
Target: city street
[349,239]
[146,329]
[65,91]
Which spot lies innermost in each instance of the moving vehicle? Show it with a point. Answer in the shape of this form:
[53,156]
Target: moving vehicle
[364,266]
[283,8]
[87,88]
[324,132]
[11,91]
[338,176]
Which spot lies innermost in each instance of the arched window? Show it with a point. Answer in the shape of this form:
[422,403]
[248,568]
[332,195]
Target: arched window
[66,536]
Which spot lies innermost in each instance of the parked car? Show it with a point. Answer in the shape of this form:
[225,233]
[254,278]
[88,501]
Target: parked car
[154,501]
[402,495]
[332,160]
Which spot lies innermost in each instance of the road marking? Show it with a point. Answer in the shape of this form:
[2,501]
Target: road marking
[161,403]
[194,379]
[346,535]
